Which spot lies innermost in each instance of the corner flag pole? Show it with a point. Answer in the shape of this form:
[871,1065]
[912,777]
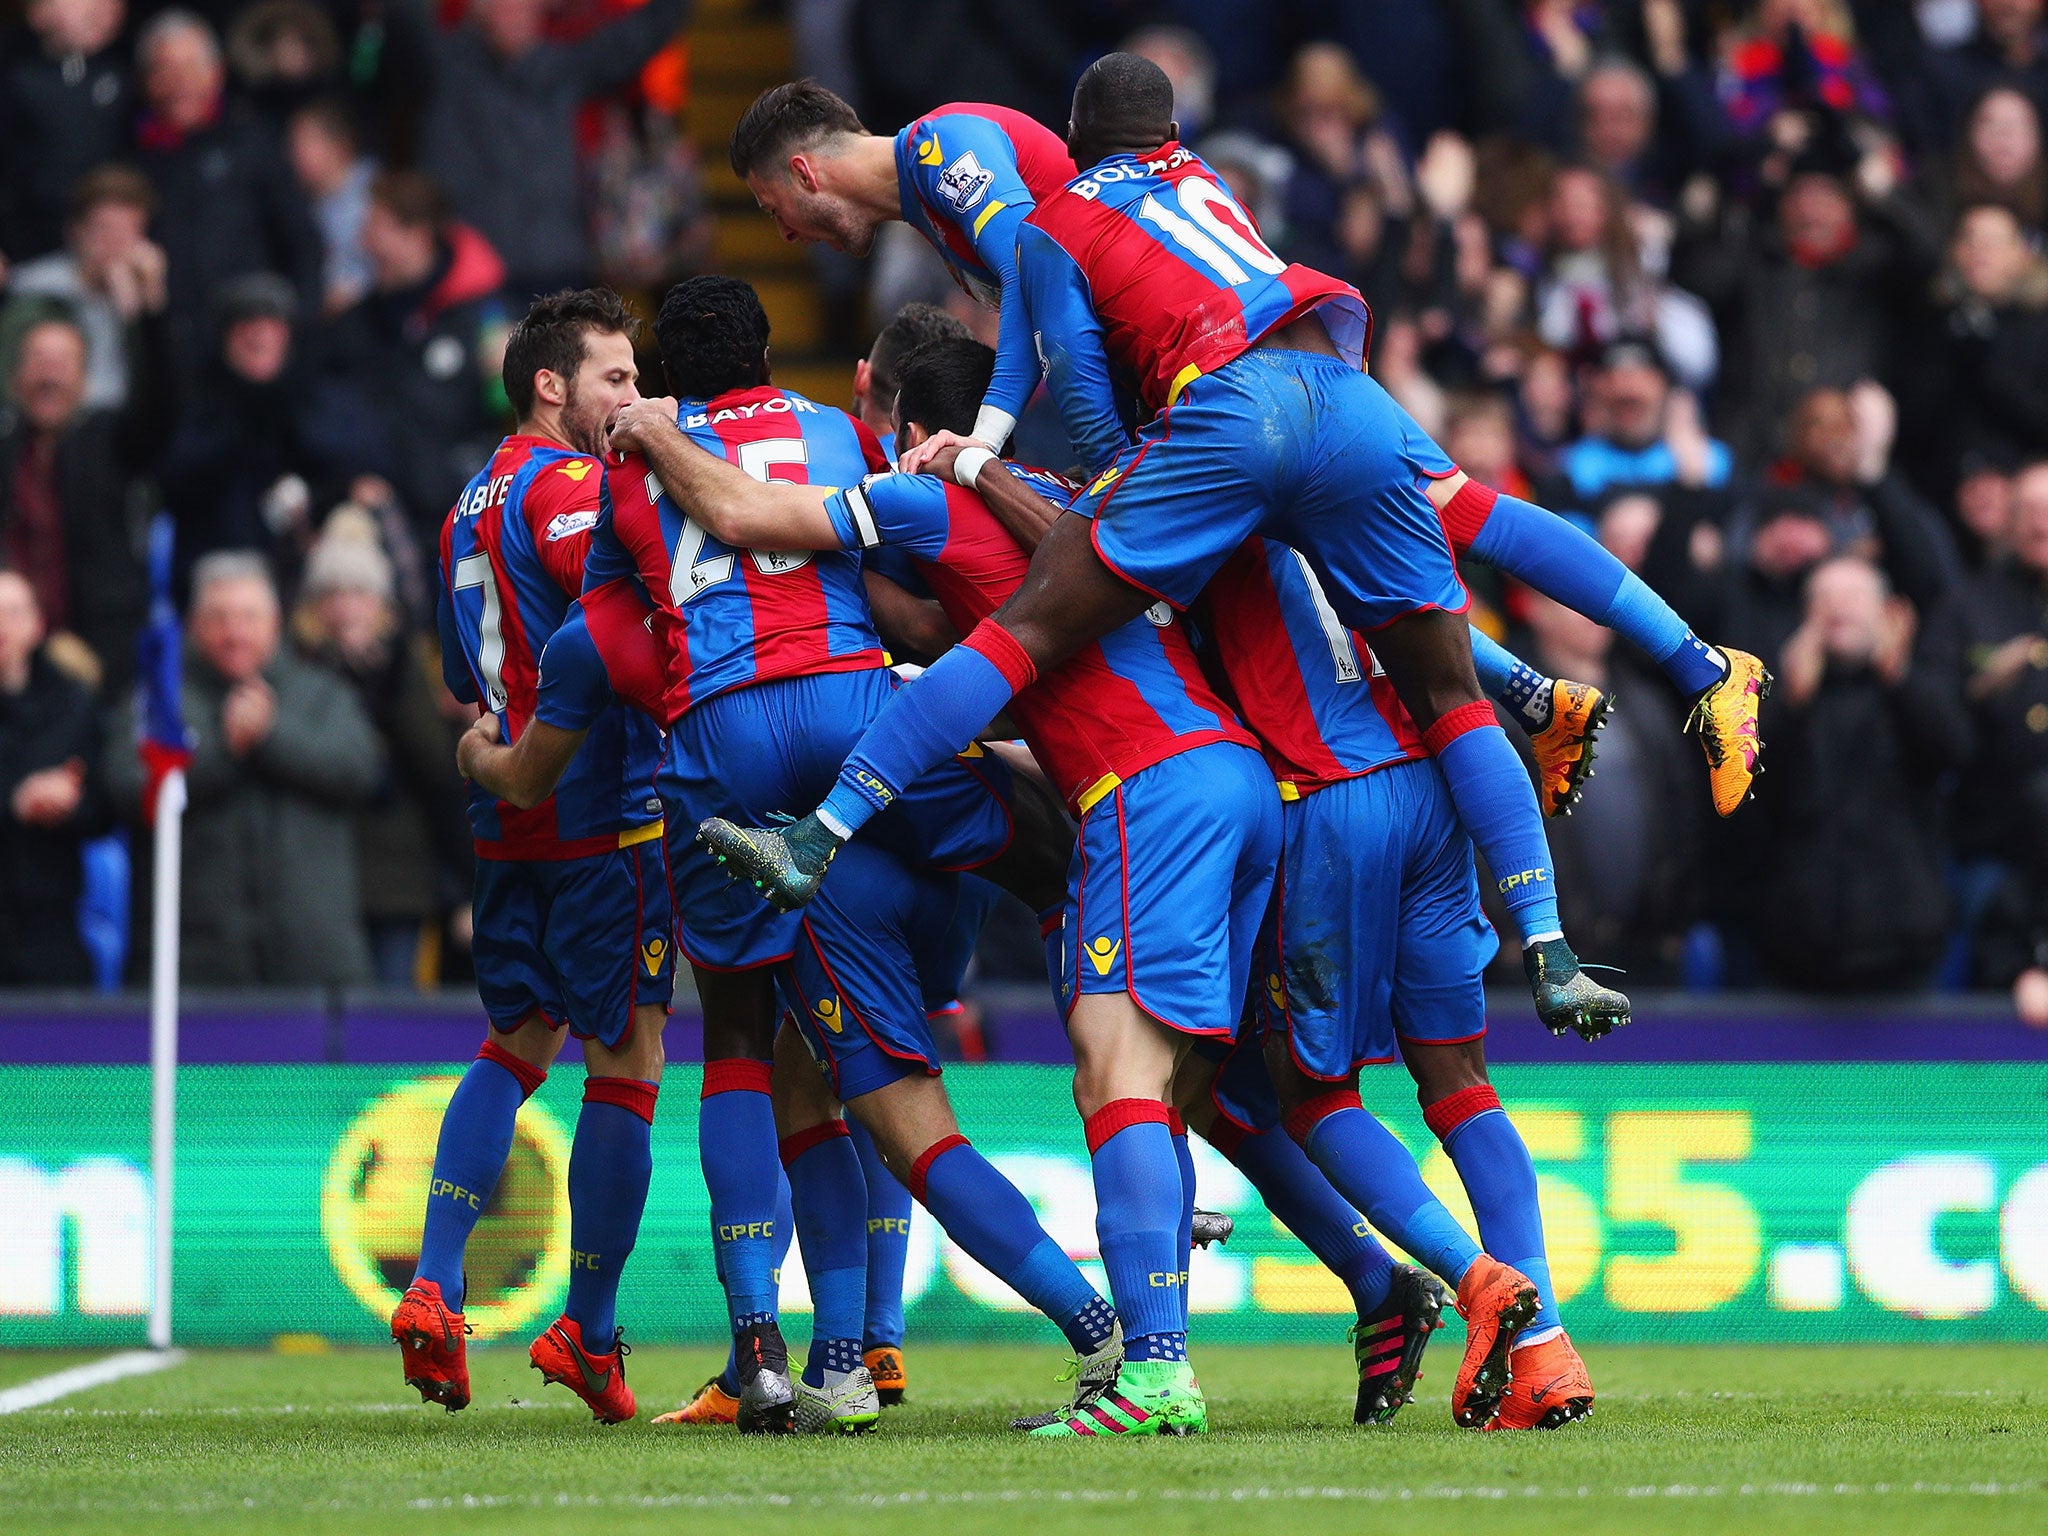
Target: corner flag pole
[165,750]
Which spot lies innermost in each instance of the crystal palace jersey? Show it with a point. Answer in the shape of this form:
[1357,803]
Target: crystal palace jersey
[512,554]
[726,617]
[1134,698]
[1308,687]
[1145,271]
[968,174]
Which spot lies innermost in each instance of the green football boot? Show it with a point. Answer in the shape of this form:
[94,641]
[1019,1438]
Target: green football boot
[785,865]
[1149,1397]
[1566,997]
[851,1406]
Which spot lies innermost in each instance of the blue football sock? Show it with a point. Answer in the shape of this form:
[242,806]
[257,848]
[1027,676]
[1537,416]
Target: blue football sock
[1560,560]
[736,1145]
[1371,1169]
[1493,1162]
[888,1244]
[994,1224]
[1298,1193]
[475,1140]
[785,1234]
[1184,1155]
[925,723]
[610,1164]
[831,1202]
[1137,1224]
[1497,804]
[1510,681]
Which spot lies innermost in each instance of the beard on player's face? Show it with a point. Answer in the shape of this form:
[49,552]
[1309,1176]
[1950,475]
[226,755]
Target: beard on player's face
[583,423]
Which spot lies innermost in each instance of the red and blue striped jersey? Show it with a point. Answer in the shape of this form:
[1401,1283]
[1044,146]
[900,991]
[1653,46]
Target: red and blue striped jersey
[1145,270]
[603,652]
[1134,698]
[968,174]
[1310,689]
[726,617]
[512,553]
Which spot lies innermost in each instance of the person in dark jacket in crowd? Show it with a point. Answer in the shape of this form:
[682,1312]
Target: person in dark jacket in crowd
[282,755]
[267,445]
[66,105]
[423,346]
[500,128]
[50,801]
[1995,386]
[227,203]
[73,492]
[1852,896]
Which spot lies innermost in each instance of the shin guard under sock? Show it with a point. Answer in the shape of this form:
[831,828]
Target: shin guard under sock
[1376,1173]
[610,1164]
[830,1199]
[476,1138]
[1137,1224]
[1493,1162]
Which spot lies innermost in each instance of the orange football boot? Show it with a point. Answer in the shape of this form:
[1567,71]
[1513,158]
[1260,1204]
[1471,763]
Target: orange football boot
[710,1404]
[1497,1303]
[433,1342]
[1550,1387]
[1725,718]
[600,1380]
[1564,748]
[885,1364]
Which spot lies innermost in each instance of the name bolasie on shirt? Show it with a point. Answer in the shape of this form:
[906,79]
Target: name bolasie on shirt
[1091,185]
[781,405]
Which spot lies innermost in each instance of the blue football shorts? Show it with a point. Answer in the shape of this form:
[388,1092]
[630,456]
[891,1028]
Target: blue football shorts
[581,941]
[1169,880]
[1300,448]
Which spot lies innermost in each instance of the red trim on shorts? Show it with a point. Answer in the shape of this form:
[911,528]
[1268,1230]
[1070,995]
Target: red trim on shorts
[1303,1119]
[626,1092]
[1226,1136]
[530,1077]
[1447,728]
[1466,513]
[999,648]
[1175,1124]
[921,1169]
[793,1147]
[1121,1115]
[736,1074]
[1452,1111]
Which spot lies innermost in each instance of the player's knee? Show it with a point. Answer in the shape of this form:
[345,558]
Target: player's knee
[1442,1070]
[533,1041]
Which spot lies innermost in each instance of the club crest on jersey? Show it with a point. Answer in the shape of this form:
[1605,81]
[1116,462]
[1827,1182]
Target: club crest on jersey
[576,469]
[564,525]
[964,183]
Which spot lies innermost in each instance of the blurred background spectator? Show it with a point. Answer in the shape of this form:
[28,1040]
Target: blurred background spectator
[282,757]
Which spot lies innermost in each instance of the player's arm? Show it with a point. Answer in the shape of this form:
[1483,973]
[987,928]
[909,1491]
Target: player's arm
[909,624]
[1068,337]
[1027,515]
[722,499]
[523,773]
[562,507]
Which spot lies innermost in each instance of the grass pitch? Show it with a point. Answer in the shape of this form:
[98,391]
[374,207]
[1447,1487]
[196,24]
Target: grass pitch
[1867,1439]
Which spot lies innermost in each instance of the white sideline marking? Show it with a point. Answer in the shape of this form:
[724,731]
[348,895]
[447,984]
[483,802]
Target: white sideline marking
[47,1389]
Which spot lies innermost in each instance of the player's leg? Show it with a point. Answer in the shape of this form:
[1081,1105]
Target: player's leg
[828,1196]
[888,1250]
[1551,1386]
[1561,561]
[477,1128]
[1563,719]
[609,938]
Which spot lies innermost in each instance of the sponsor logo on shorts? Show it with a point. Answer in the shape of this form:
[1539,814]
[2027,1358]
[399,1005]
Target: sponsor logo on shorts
[1276,991]
[1102,954]
[651,953]
[1104,481]
[826,1010]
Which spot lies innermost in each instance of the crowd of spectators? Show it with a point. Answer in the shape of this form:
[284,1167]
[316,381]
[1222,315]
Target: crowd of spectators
[1755,290]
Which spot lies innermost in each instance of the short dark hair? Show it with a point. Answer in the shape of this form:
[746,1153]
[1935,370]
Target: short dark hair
[943,382]
[914,325]
[112,184]
[1123,99]
[554,334]
[713,336]
[784,118]
[411,197]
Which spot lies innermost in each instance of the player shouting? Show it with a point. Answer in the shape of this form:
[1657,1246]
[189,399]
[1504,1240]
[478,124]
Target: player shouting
[1263,422]
[572,894]
[964,176]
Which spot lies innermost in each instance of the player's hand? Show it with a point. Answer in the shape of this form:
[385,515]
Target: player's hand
[638,420]
[50,797]
[248,715]
[936,455]
[477,740]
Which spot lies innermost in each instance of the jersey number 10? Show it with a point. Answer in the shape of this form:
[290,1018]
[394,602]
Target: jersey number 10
[1205,226]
